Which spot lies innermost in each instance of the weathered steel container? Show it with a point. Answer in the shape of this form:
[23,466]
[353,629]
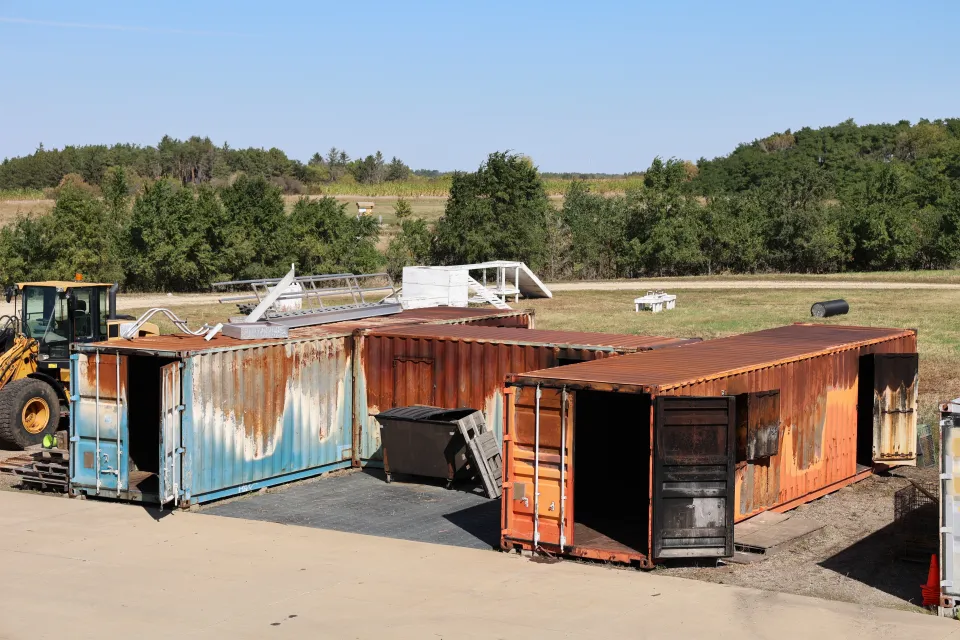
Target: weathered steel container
[464,367]
[179,419]
[722,430]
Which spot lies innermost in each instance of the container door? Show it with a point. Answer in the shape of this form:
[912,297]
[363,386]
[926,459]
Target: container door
[950,500]
[538,507]
[895,408]
[412,381]
[694,477]
[98,423]
[171,412]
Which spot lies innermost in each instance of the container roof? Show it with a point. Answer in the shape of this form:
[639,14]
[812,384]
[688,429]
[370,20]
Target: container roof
[511,335]
[181,344]
[712,359]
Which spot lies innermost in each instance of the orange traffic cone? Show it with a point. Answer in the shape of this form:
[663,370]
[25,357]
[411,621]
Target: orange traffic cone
[931,590]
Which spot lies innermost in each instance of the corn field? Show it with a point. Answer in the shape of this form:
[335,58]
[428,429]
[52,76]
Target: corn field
[21,194]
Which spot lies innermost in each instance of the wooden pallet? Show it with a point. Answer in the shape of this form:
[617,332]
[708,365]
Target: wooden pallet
[483,452]
[44,469]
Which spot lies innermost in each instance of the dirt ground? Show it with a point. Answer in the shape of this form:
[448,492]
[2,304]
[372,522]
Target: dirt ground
[856,557]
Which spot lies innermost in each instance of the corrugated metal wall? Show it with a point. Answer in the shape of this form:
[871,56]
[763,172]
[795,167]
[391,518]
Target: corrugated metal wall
[818,424]
[257,413]
[450,373]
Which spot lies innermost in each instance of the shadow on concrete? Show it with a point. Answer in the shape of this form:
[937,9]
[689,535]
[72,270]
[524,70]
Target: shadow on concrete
[156,513]
[482,521]
[894,559]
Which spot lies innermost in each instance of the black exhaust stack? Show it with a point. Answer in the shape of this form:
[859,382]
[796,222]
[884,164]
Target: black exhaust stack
[113,301]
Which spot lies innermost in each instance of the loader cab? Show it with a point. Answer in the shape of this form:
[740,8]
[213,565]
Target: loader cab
[57,314]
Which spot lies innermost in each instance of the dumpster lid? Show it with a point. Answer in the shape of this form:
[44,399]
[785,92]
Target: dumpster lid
[423,412]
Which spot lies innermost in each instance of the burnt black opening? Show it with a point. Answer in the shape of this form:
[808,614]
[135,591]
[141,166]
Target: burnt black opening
[143,421]
[865,412]
[611,471]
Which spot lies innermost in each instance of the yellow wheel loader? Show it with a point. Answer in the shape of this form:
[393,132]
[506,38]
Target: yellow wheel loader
[35,359]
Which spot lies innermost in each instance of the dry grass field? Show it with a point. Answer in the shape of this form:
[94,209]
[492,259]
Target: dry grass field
[429,208]
[10,209]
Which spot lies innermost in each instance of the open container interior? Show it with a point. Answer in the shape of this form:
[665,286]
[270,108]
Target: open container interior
[611,470]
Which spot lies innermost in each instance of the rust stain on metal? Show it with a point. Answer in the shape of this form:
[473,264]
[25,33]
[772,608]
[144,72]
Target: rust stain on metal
[88,370]
[807,441]
[895,407]
[624,343]
[454,366]
[721,358]
[262,391]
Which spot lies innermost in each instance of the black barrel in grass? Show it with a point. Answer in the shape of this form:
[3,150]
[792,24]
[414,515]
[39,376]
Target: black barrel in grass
[829,308]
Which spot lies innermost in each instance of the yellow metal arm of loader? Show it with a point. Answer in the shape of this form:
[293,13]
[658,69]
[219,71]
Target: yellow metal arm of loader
[19,361]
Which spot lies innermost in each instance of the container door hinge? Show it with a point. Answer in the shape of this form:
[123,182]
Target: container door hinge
[946,583]
[946,530]
[179,450]
[181,407]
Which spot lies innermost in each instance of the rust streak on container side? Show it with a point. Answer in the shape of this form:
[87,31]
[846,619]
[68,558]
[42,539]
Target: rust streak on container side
[107,375]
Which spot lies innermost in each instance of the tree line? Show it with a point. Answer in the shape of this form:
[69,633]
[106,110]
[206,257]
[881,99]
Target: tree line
[843,198]
[172,237]
[195,161]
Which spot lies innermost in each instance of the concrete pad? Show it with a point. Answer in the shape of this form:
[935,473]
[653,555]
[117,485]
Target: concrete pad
[363,502]
[88,569]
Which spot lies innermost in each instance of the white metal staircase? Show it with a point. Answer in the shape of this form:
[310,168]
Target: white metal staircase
[483,294]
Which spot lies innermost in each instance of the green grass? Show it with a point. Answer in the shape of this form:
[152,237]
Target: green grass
[946,276]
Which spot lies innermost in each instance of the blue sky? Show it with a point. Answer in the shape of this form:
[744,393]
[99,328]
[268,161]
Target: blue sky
[590,86]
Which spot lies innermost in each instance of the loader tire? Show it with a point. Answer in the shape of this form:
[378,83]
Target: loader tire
[29,410]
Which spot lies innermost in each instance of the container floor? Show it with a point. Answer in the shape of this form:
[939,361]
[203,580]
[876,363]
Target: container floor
[589,538]
[363,502]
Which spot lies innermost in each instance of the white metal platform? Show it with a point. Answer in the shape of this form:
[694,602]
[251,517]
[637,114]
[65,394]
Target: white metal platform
[655,301]
[493,283]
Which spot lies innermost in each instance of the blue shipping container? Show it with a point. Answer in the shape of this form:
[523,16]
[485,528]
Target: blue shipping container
[172,420]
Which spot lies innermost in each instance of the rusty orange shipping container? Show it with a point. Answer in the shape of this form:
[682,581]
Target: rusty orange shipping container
[464,366]
[656,455]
